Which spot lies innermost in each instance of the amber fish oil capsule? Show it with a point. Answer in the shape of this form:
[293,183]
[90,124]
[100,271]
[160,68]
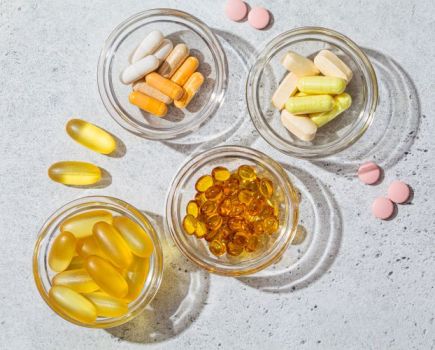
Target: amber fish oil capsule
[148,104]
[75,173]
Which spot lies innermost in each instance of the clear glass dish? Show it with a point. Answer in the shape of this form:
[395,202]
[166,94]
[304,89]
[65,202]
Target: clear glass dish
[179,27]
[49,232]
[267,72]
[183,189]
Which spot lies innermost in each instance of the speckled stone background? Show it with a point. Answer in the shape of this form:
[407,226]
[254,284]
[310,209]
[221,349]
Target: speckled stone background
[356,283]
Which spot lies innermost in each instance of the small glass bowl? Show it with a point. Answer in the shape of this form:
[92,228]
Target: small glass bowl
[267,72]
[180,27]
[183,189]
[49,232]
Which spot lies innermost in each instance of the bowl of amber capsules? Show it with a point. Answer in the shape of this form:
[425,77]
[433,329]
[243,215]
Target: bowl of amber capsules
[97,262]
[232,210]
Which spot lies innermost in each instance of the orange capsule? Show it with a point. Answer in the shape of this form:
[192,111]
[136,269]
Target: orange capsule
[209,208]
[225,207]
[258,227]
[191,87]
[220,173]
[267,211]
[214,222]
[166,86]
[270,224]
[246,173]
[201,229]
[192,209]
[148,104]
[217,247]
[200,198]
[245,196]
[234,249]
[237,209]
[256,206]
[214,193]
[204,183]
[236,224]
[266,188]
[185,71]
[211,235]
[231,186]
[189,224]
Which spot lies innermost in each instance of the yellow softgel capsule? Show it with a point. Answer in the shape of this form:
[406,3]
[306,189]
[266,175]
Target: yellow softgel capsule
[88,246]
[204,183]
[241,238]
[189,224]
[256,206]
[106,276]
[321,85]
[78,280]
[201,229]
[106,305]
[270,224]
[81,225]
[91,136]
[252,243]
[225,207]
[214,222]
[220,173]
[309,104]
[191,87]
[192,208]
[200,198]
[77,262]
[246,173]
[134,235]
[217,247]
[209,208]
[245,196]
[183,73]
[341,103]
[137,274]
[112,244]
[62,251]
[74,173]
[214,193]
[73,304]
[148,103]
[266,188]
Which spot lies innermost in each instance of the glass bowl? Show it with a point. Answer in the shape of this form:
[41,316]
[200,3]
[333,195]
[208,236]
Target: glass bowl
[49,232]
[267,72]
[179,27]
[183,189]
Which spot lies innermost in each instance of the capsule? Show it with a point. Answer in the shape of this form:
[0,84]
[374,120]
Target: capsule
[220,173]
[214,193]
[234,249]
[189,224]
[74,173]
[88,246]
[137,274]
[81,225]
[185,71]
[209,208]
[204,183]
[246,173]
[191,87]
[309,104]
[321,85]
[341,103]
[78,280]
[214,222]
[270,224]
[166,86]
[192,208]
[217,247]
[201,229]
[73,304]
[330,65]
[91,136]
[112,244]
[106,276]
[106,305]
[266,188]
[148,46]
[174,60]
[77,262]
[164,50]
[134,235]
[148,104]
[62,251]
[148,90]
[299,65]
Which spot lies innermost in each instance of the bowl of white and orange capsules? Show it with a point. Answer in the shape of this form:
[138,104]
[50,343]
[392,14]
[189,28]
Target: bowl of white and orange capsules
[98,262]
[312,92]
[162,73]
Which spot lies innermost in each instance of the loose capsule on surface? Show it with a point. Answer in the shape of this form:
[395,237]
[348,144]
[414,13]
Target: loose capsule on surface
[139,69]
[91,136]
[78,280]
[166,86]
[286,88]
[299,65]
[148,46]
[137,274]
[106,305]
[299,125]
[191,87]
[62,251]
[341,103]
[148,104]
[185,71]
[81,225]
[174,61]
[163,50]
[309,104]
[74,173]
[321,85]
[330,65]
[148,90]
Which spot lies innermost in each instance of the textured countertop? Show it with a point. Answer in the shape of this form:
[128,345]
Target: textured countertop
[359,283]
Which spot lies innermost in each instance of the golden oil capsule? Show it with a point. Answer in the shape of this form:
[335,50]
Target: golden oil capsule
[134,235]
[252,186]
[78,280]
[112,244]
[225,207]
[77,262]
[73,304]
[201,229]
[237,209]
[74,173]
[266,188]
[200,198]
[204,183]
[217,247]
[81,225]
[106,305]
[252,243]
[214,222]
[192,208]
[211,235]
[106,276]
[270,224]
[258,227]
[62,251]
[246,173]
[209,208]
[245,196]
[234,249]
[214,193]
[240,238]
[236,224]
[267,211]
[88,246]
[231,186]
[256,206]
[137,274]
[91,136]
[191,87]
[189,224]
[166,86]
[220,173]
[148,103]
[183,73]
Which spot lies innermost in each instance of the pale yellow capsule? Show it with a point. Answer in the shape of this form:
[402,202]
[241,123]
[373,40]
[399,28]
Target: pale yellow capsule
[88,246]
[319,85]
[73,304]
[146,89]
[309,104]
[134,235]
[74,173]
[137,274]
[191,87]
[341,103]
[62,251]
[78,280]
[91,136]
[106,305]
[81,225]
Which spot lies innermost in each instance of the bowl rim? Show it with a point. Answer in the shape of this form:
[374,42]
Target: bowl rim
[256,114]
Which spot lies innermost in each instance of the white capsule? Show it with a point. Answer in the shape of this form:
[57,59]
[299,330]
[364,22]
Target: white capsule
[148,45]
[164,50]
[139,69]
[300,126]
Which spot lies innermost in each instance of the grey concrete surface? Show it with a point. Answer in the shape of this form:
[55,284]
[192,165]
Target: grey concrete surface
[355,283]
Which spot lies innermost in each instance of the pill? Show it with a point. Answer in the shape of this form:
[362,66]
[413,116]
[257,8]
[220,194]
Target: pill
[74,173]
[220,173]
[236,10]
[192,86]
[259,17]
[77,262]
[166,86]
[382,208]
[148,46]
[81,225]
[88,246]
[342,102]
[164,50]
[330,65]
[106,276]
[185,71]
[369,173]
[192,208]
[112,244]
[73,304]
[286,88]
[321,85]
[148,103]
[309,104]
[148,90]
[299,65]
[91,136]
[399,192]
[174,60]
[106,305]
[137,274]
[134,235]
[78,280]
[62,251]
[139,69]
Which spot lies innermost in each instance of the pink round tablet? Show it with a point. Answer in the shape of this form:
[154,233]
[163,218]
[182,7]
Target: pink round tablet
[236,10]
[259,17]
[399,192]
[382,208]
[369,173]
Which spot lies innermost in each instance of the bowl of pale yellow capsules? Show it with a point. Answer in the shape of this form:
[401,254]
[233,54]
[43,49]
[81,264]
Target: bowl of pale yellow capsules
[97,262]
[162,73]
[232,210]
[312,92]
